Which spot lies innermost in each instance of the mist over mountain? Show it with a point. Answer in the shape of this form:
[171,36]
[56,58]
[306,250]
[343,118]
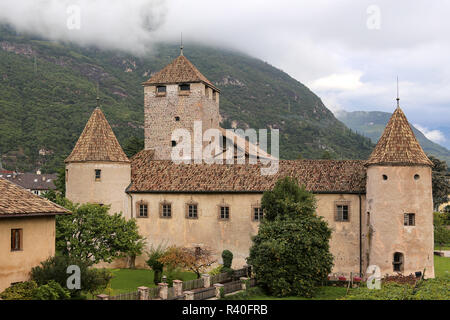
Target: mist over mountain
[48,91]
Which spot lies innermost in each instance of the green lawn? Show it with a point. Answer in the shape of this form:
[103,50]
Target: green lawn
[128,280]
[441,266]
[324,293]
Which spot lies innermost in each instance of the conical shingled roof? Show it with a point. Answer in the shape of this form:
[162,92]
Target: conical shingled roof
[398,144]
[180,70]
[97,142]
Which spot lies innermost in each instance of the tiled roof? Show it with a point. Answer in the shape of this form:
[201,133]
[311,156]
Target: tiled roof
[32,181]
[16,201]
[344,176]
[180,70]
[97,142]
[398,145]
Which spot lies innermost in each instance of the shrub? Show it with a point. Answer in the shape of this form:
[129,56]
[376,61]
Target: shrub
[215,271]
[20,291]
[154,254]
[227,257]
[290,254]
[55,268]
[51,291]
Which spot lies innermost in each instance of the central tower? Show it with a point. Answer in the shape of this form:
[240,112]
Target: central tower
[174,98]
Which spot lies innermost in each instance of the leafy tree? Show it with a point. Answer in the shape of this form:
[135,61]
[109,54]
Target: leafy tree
[60,182]
[154,255]
[196,259]
[290,254]
[441,188]
[133,145]
[91,234]
[55,269]
[441,233]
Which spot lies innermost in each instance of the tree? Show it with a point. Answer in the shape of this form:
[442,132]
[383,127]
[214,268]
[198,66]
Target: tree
[227,257]
[133,145]
[441,188]
[441,233]
[154,254]
[196,259]
[60,182]
[290,254]
[91,234]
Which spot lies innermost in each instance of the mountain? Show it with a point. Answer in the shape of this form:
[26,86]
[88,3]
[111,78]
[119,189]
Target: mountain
[371,124]
[48,91]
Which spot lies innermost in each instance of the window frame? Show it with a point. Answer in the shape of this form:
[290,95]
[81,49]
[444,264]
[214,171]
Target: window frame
[342,203]
[407,219]
[98,177]
[14,247]
[160,93]
[138,209]
[184,91]
[162,204]
[223,206]
[260,213]
[187,215]
[398,264]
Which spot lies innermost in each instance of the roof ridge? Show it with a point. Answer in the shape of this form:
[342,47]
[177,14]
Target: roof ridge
[97,142]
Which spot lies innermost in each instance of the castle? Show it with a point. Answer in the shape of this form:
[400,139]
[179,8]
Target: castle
[380,210]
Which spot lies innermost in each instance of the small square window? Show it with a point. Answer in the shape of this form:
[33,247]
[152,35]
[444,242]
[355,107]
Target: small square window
[173,143]
[143,210]
[257,214]
[161,89]
[16,239]
[342,212]
[98,174]
[224,212]
[177,118]
[192,211]
[409,219]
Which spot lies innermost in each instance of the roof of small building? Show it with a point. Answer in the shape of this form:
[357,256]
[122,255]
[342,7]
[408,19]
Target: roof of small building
[320,176]
[398,144]
[97,142]
[180,70]
[32,181]
[16,201]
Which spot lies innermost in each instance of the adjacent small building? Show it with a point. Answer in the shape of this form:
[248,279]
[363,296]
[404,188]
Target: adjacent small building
[36,183]
[27,232]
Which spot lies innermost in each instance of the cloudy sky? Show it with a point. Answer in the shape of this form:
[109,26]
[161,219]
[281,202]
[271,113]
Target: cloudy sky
[348,52]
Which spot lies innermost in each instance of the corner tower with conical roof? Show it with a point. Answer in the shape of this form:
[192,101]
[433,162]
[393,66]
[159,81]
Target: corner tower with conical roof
[399,202]
[97,170]
[174,98]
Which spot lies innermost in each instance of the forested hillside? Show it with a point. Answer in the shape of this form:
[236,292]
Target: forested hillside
[48,90]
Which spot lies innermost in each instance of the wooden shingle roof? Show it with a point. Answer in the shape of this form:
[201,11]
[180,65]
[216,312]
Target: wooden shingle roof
[320,176]
[97,142]
[180,70]
[16,201]
[398,144]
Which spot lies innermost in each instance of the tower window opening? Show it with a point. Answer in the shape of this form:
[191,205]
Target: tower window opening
[398,262]
[409,219]
[174,143]
[416,177]
[161,89]
[177,118]
[98,174]
[185,87]
[385,177]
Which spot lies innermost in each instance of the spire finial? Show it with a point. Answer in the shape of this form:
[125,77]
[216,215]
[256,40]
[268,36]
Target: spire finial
[398,96]
[98,98]
[181,45]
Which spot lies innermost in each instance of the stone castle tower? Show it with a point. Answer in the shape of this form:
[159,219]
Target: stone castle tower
[399,202]
[174,98]
[97,170]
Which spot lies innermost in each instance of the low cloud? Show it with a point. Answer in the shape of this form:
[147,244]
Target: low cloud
[434,135]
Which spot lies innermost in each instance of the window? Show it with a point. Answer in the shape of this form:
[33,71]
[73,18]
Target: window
[385,177]
[161,89]
[342,212]
[398,262]
[177,118]
[416,177]
[184,87]
[174,143]
[224,212]
[192,211]
[165,210]
[98,174]
[36,192]
[16,239]
[142,210]
[409,219]
[257,214]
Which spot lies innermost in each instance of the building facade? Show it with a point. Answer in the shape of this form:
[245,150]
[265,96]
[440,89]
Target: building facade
[380,210]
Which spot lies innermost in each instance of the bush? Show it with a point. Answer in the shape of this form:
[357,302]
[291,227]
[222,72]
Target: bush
[290,254]
[227,257]
[55,268]
[441,233]
[154,254]
[20,291]
[51,291]
[215,271]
